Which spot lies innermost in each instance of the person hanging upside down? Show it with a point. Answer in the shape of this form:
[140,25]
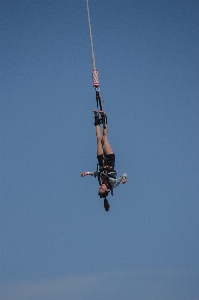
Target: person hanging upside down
[106,173]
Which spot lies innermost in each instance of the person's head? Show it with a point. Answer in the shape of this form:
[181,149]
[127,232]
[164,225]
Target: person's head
[103,190]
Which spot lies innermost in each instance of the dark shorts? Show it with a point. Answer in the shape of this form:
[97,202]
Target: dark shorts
[109,160]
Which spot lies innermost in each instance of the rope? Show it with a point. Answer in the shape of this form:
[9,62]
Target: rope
[91,39]
[95,79]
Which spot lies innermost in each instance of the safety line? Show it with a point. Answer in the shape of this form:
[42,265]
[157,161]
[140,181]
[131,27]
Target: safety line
[91,39]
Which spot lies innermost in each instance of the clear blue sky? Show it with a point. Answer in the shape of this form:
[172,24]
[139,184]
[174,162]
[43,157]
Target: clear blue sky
[57,242]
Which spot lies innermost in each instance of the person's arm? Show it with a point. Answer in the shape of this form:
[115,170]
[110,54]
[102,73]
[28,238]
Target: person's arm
[89,173]
[124,178]
[115,182]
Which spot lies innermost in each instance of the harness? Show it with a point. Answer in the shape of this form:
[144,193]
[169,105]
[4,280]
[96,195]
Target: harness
[104,173]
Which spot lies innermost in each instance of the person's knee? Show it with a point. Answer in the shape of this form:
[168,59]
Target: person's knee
[99,137]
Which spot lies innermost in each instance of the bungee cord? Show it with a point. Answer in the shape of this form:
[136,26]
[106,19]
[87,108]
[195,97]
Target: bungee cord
[91,38]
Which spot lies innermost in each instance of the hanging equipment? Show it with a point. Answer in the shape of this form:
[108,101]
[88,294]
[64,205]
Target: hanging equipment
[94,71]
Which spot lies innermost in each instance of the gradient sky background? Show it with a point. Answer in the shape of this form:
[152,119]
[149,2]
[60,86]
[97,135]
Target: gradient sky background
[57,242]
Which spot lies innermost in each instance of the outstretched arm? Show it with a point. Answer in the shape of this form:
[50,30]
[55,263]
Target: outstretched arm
[115,182]
[89,173]
[84,174]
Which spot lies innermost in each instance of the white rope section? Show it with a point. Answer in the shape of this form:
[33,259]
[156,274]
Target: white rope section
[91,39]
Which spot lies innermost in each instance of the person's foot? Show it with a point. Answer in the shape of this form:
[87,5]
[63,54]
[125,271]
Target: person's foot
[102,113]
[95,113]
[96,117]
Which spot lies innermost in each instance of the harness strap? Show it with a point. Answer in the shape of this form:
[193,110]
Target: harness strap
[104,174]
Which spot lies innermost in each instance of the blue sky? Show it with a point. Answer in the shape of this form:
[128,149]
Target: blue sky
[57,242]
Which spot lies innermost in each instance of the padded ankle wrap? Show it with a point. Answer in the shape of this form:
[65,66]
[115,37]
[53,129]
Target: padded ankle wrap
[97,120]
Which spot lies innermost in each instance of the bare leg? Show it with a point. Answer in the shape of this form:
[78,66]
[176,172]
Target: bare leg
[99,137]
[107,147]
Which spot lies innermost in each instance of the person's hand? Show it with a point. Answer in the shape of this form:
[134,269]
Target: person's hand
[123,180]
[84,174]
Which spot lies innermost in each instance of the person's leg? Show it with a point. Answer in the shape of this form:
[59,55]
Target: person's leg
[107,147]
[99,136]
